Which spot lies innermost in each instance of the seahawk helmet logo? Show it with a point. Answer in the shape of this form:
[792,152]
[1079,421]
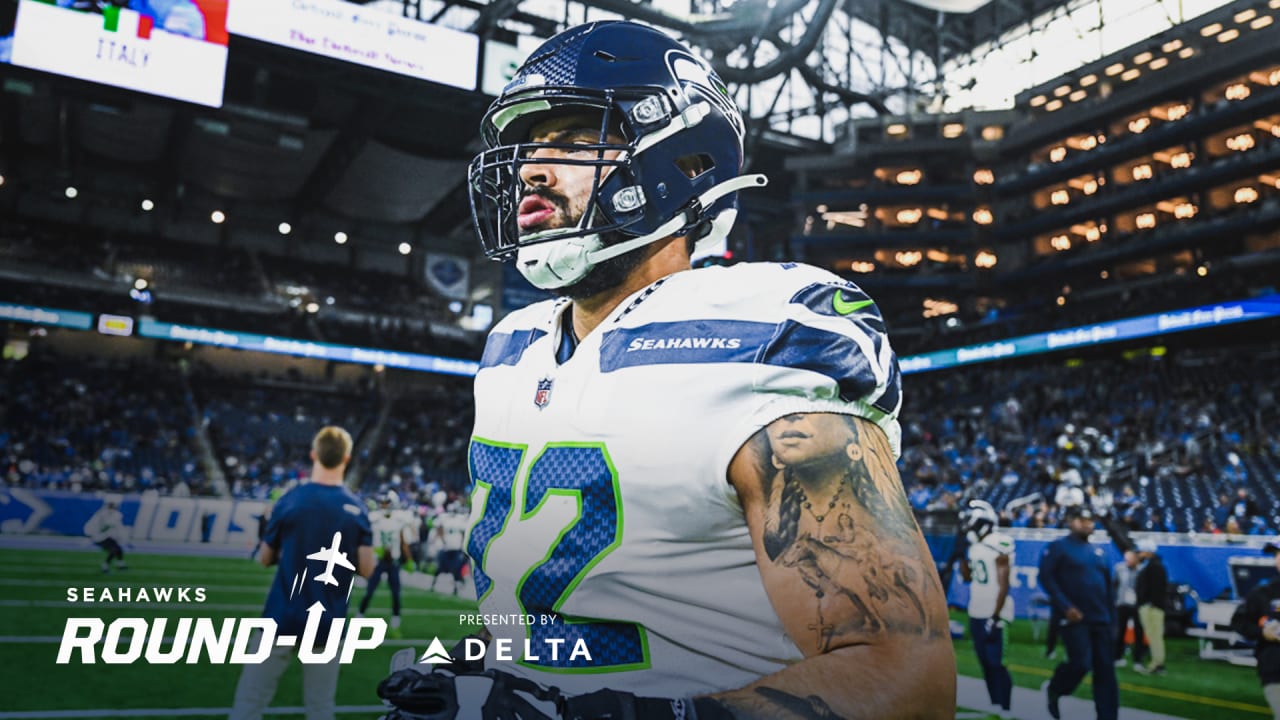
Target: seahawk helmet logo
[543,395]
[692,71]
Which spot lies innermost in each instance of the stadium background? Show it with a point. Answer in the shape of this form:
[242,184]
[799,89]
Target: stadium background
[1069,213]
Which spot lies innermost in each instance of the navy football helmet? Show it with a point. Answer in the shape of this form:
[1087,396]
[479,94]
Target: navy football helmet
[676,171]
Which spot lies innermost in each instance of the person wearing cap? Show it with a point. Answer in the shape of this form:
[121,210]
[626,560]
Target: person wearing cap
[1152,589]
[1258,620]
[1077,579]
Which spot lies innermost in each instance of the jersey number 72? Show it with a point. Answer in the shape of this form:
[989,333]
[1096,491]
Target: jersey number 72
[585,473]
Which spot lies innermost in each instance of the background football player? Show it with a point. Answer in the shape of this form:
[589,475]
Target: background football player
[392,548]
[986,568]
[690,472]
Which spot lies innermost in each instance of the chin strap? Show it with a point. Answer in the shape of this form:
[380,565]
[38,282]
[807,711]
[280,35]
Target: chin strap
[706,199]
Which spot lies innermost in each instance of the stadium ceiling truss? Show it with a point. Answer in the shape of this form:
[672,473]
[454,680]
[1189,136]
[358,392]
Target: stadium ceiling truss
[800,67]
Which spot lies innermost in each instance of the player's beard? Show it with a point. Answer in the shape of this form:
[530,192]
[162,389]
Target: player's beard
[604,275]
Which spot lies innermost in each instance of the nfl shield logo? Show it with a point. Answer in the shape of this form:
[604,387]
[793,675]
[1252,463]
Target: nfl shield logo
[543,395]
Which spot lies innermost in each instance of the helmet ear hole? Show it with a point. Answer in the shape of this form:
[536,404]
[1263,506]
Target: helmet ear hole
[695,165]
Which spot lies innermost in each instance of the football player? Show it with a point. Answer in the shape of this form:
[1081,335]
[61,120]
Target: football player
[986,568]
[451,530]
[106,528]
[685,476]
[392,549]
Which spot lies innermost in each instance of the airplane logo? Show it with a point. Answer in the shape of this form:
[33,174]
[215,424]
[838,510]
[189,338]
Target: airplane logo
[331,556]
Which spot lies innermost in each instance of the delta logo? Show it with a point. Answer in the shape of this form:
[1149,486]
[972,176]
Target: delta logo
[473,649]
[220,641]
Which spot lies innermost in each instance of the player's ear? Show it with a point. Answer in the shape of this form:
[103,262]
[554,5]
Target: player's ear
[312,455]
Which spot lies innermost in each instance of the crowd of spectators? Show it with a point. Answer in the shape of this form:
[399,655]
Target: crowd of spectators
[1180,443]
[96,425]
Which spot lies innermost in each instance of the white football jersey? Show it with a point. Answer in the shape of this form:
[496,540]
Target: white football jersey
[983,587]
[601,499]
[409,521]
[387,531]
[453,526]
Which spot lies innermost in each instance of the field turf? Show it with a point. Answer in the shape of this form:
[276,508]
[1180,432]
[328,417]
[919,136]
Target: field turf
[33,598]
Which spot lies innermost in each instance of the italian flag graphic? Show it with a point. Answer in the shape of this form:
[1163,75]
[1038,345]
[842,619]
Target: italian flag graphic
[115,19]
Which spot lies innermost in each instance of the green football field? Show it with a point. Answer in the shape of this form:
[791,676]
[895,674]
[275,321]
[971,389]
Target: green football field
[33,594]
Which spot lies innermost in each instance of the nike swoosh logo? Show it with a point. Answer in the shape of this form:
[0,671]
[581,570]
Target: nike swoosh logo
[844,307]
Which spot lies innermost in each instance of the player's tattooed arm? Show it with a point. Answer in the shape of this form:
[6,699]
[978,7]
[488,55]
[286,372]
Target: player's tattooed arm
[848,573]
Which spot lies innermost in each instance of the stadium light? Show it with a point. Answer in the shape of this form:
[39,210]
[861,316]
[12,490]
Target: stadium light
[910,216]
[862,266]
[952,130]
[1237,91]
[909,177]
[983,216]
[140,284]
[1211,29]
[1142,172]
[1113,70]
[909,258]
[1202,271]
[1038,100]
[1060,197]
[1146,221]
[983,176]
[313,307]
[1245,195]
[405,248]
[147,205]
[71,192]
[1053,106]
[217,217]
[1061,301]
[1061,90]
[1104,274]
[1060,242]
[1229,35]
[1261,22]
[1186,52]
[1,180]
[1092,234]
[1143,58]
[284,228]
[1089,187]
[1058,154]
[985,259]
[1088,80]
[1241,142]
[1245,16]
[1185,210]
[340,238]
[1176,112]
[1181,159]
[1171,46]
[1139,124]
[1158,64]
[1130,74]
[992,133]
[896,129]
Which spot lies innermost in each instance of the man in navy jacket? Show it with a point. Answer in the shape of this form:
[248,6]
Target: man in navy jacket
[1077,579]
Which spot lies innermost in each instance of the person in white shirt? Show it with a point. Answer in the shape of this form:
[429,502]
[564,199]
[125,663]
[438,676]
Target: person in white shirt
[986,568]
[105,529]
[391,547]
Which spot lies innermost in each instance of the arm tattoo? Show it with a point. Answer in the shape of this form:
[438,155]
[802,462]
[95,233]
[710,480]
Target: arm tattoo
[809,707]
[835,515]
